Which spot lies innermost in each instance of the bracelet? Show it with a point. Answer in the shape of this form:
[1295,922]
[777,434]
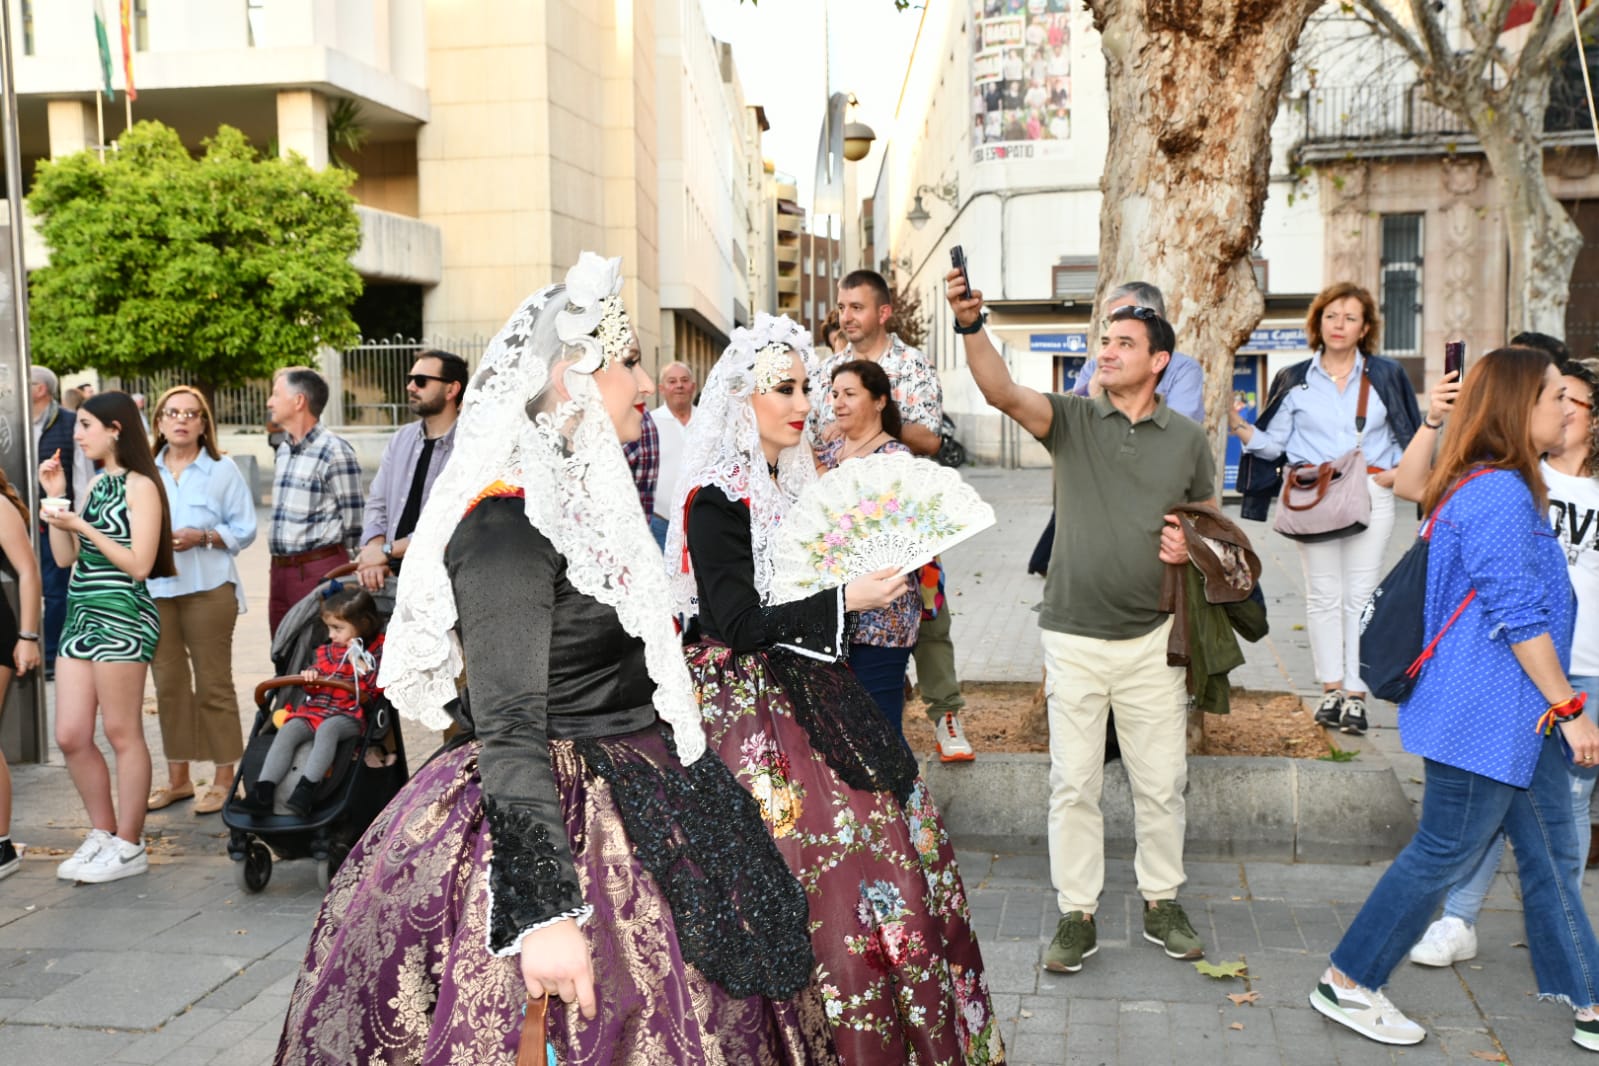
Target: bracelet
[1434,426]
[975,327]
[1564,711]
[34,637]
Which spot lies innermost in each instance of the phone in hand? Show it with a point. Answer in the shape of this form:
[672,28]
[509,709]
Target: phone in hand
[957,259]
[1455,358]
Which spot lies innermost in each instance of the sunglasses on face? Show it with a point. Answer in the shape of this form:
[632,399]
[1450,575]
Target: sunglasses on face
[421,380]
[180,416]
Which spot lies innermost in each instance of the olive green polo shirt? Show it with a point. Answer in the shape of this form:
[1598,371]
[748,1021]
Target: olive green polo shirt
[1114,480]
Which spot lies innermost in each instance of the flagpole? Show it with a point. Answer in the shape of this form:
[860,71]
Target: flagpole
[99,124]
[127,111]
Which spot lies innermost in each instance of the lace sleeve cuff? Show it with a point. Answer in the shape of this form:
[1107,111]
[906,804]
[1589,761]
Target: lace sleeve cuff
[582,914]
[821,647]
[531,880]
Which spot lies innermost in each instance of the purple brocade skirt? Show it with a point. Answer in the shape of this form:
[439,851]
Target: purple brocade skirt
[899,967]
[398,969]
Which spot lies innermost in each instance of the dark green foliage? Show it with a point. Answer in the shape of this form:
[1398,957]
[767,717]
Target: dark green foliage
[221,268]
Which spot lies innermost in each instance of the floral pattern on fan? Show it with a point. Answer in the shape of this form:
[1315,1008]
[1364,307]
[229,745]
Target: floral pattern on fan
[871,513]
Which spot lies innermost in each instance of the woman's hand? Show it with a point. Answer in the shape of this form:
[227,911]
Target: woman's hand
[1441,400]
[25,656]
[1385,478]
[68,521]
[877,589]
[1582,736]
[555,960]
[1235,417]
[186,538]
[52,478]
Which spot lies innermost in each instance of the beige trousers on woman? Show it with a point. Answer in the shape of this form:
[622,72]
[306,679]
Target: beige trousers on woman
[199,710]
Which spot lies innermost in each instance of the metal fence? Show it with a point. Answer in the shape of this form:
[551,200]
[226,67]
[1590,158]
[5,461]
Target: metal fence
[367,383]
[1383,111]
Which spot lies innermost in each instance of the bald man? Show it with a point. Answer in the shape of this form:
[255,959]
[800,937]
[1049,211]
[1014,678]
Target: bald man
[671,418]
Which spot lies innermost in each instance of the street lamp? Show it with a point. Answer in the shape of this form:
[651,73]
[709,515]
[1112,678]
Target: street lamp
[917,216]
[858,138]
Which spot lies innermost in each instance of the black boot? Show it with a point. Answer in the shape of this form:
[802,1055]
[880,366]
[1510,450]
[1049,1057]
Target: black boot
[301,799]
[259,798]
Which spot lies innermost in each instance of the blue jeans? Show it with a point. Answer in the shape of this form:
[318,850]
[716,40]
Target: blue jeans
[1460,813]
[658,527]
[881,672]
[1465,899]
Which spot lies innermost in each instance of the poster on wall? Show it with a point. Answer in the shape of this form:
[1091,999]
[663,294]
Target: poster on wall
[1021,79]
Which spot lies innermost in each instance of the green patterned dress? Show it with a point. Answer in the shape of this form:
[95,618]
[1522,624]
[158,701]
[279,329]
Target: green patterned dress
[110,615]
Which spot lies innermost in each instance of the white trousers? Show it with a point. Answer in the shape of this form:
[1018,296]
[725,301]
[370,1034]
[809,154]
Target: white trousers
[1083,677]
[1340,576]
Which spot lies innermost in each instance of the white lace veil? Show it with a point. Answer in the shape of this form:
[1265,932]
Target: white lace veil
[579,491]
[724,448]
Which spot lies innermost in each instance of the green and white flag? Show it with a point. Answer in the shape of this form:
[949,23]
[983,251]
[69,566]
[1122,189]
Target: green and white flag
[105,51]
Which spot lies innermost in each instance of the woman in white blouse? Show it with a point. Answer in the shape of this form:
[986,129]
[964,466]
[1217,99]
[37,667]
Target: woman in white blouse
[213,519]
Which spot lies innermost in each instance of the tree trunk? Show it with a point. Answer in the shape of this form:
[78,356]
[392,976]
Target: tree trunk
[1194,86]
[1542,238]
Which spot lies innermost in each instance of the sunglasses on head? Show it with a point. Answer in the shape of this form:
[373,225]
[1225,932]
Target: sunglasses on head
[1143,314]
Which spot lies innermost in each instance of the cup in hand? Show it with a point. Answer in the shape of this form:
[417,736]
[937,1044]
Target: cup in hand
[54,504]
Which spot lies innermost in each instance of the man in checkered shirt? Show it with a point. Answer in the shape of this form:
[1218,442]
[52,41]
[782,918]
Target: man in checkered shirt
[316,493]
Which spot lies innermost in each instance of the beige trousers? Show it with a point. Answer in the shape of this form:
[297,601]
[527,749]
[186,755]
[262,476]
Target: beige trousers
[1084,677]
[199,710]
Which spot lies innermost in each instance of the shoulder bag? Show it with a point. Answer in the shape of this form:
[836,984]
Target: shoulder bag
[1324,501]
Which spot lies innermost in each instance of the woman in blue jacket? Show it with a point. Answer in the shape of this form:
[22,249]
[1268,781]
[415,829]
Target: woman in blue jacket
[1493,713]
[1310,418]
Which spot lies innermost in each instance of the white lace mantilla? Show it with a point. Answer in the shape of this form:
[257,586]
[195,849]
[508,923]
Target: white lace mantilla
[579,493]
[724,449]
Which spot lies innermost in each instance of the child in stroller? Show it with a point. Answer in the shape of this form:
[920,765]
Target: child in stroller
[327,716]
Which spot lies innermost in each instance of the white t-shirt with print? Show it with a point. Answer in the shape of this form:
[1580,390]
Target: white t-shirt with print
[1574,512]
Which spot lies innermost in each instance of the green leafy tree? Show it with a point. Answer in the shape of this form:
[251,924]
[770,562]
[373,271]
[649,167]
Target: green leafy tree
[222,268]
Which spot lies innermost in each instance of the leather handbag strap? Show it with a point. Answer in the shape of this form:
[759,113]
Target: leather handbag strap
[534,1049]
[1324,476]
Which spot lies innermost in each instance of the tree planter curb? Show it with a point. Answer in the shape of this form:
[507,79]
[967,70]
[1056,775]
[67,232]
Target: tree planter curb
[1257,808]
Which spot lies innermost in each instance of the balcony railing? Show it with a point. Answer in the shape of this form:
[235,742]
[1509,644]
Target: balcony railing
[1402,112]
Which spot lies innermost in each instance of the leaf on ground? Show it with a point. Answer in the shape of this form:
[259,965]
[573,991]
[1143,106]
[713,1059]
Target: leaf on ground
[1489,1056]
[1237,1025]
[1240,998]
[1518,943]
[1222,969]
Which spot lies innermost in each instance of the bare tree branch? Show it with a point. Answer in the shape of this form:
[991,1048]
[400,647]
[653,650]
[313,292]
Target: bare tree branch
[1384,23]
[1561,36]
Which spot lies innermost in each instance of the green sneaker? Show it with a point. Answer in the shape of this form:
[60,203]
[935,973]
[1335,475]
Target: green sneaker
[1074,941]
[1166,924]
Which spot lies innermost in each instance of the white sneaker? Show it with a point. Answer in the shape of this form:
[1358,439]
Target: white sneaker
[1447,941]
[97,839]
[1366,1011]
[952,743]
[116,860]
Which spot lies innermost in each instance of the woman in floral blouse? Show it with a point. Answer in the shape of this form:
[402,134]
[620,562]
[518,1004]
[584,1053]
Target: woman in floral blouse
[869,424]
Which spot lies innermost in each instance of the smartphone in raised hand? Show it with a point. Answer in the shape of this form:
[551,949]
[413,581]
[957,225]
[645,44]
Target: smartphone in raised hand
[957,259]
[1455,358]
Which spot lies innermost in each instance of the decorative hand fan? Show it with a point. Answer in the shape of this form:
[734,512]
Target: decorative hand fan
[870,513]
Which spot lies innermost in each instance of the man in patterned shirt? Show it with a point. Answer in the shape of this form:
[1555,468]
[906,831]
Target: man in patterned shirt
[316,493]
[864,308]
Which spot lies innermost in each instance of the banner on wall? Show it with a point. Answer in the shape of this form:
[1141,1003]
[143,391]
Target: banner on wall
[1021,79]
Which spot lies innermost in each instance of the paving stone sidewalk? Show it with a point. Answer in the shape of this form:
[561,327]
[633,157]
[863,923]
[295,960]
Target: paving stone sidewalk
[181,967]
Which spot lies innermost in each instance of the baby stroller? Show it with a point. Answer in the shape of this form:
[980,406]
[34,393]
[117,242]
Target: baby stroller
[367,771]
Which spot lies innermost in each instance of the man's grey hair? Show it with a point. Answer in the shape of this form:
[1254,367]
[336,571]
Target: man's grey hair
[1146,294]
[41,375]
[677,364]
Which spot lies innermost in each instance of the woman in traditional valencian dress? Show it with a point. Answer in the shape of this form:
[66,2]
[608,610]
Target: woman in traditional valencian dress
[898,963]
[578,841]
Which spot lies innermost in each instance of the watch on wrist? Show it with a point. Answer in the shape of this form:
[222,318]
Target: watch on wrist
[388,551]
[975,327]
[30,637]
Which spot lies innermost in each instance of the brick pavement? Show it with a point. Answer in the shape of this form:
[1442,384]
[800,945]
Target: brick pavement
[181,967]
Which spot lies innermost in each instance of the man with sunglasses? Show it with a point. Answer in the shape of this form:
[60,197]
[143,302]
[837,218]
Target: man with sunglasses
[1122,460]
[411,463]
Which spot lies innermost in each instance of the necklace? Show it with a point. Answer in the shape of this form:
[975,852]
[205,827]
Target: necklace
[850,453]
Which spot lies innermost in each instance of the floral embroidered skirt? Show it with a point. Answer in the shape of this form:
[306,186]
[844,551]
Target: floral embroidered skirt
[398,968]
[898,964]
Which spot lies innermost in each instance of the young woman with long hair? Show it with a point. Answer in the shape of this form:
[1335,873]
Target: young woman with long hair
[1493,713]
[121,536]
[16,554]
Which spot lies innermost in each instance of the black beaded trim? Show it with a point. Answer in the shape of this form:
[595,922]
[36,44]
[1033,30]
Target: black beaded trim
[742,919]
[531,879]
[845,725]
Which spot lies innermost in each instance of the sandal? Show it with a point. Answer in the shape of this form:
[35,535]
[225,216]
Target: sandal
[210,801]
[166,796]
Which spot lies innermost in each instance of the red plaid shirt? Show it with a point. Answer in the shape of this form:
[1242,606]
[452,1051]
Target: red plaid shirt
[644,456]
[323,703]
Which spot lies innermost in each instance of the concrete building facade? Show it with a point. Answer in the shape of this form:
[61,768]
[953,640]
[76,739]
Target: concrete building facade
[501,139]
